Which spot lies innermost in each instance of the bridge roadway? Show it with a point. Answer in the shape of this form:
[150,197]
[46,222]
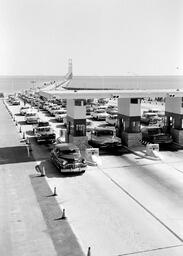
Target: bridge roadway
[90,94]
[126,206]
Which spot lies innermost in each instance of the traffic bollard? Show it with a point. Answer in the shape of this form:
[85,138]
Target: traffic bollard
[55,191]
[89,251]
[63,215]
[43,171]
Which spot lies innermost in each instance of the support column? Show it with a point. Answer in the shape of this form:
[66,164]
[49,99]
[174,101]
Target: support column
[174,118]
[129,114]
[76,122]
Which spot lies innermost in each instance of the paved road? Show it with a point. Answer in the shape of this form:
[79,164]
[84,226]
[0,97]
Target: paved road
[29,217]
[126,206]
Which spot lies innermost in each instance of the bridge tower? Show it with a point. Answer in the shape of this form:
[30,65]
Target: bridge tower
[69,74]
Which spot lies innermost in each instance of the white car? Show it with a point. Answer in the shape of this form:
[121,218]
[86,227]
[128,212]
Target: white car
[31,117]
[53,110]
[24,109]
[60,117]
[99,114]
[112,119]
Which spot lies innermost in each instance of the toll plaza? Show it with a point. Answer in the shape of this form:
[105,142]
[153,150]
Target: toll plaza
[129,109]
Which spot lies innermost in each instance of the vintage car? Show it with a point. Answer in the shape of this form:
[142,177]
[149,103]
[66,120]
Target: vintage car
[15,102]
[67,158]
[24,109]
[60,117]
[53,110]
[112,109]
[61,111]
[112,119]
[44,134]
[41,123]
[104,138]
[31,117]
[89,109]
[156,135]
[150,117]
[99,114]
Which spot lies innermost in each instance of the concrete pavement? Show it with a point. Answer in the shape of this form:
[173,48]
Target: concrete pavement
[28,224]
[127,206]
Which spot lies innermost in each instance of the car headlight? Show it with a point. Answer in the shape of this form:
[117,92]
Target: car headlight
[64,162]
[83,161]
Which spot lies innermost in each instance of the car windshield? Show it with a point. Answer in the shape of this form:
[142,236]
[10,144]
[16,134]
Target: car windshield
[41,124]
[150,114]
[113,117]
[55,108]
[24,108]
[68,152]
[31,114]
[103,132]
[43,129]
[100,111]
[60,112]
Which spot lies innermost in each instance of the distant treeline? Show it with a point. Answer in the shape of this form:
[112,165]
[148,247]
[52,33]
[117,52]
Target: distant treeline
[1,95]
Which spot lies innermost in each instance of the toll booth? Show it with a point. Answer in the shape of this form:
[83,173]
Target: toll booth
[128,125]
[76,122]
[174,117]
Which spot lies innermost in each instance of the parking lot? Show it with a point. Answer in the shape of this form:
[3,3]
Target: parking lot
[127,205]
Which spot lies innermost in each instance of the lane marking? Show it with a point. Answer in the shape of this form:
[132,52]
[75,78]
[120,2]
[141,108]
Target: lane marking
[151,250]
[140,204]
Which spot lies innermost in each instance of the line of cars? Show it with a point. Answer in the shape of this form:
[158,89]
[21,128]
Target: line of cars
[65,156]
[13,100]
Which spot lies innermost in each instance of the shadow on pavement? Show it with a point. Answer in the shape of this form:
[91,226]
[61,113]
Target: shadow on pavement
[22,123]
[18,154]
[30,133]
[63,238]
[53,121]
[52,172]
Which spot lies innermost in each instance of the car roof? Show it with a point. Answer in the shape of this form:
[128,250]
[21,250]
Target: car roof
[66,146]
[103,129]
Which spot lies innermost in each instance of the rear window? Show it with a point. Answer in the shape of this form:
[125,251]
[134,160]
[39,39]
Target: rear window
[43,129]
[103,132]
[67,152]
[43,124]
[31,114]
[100,111]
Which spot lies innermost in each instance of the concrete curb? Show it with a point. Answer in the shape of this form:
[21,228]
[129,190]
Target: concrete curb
[142,155]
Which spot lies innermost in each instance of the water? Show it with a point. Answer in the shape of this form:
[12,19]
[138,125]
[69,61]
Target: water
[11,84]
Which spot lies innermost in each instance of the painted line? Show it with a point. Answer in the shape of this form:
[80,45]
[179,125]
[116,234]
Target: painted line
[148,211]
[152,250]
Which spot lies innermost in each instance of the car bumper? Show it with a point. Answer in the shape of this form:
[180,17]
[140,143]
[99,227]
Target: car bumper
[73,170]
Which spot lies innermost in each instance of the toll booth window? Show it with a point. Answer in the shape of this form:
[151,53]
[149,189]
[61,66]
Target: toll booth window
[134,101]
[79,102]
[80,130]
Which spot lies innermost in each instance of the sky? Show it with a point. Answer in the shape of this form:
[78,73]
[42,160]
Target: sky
[102,37]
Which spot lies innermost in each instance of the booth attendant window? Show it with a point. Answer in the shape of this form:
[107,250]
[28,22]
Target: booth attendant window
[134,101]
[79,102]
[80,130]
